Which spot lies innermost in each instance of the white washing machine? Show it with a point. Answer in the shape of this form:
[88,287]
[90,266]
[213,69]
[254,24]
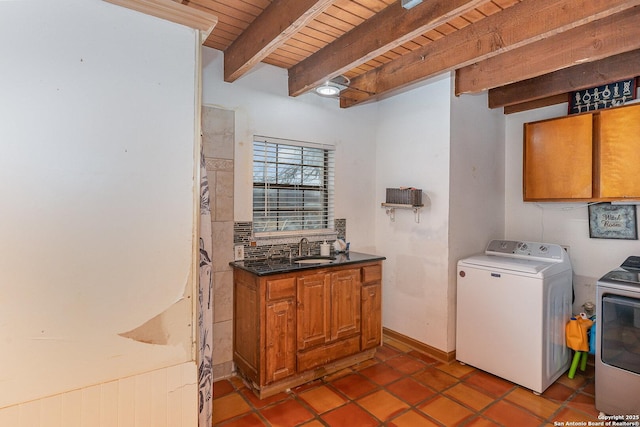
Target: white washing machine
[618,341]
[513,303]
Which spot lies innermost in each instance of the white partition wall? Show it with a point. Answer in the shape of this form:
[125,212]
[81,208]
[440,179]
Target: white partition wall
[97,107]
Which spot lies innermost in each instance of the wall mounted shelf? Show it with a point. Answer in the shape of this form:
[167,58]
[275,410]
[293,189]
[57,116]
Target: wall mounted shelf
[391,210]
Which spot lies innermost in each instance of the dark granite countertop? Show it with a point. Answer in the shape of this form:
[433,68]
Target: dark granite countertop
[264,267]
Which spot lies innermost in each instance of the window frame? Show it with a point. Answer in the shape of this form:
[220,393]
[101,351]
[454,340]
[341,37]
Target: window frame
[326,187]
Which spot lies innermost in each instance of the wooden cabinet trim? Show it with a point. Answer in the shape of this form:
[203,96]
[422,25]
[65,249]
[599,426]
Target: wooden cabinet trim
[246,324]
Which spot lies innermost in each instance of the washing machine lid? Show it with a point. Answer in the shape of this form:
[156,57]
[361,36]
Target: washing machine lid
[506,263]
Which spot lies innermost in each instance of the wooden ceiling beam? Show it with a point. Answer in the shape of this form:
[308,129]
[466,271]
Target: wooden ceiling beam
[386,30]
[271,29]
[536,103]
[526,22]
[612,35]
[614,68]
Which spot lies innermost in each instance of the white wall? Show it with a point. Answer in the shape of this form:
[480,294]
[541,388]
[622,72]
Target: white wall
[262,107]
[403,140]
[477,208]
[562,223]
[96,185]
[161,398]
[413,151]
[452,148]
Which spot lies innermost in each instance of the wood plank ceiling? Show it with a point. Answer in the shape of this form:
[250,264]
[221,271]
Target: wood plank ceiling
[526,53]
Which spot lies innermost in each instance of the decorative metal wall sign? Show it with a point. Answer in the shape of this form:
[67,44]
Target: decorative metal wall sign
[605,96]
[607,221]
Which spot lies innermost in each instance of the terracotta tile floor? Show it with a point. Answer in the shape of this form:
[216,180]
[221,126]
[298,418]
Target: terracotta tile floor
[402,387]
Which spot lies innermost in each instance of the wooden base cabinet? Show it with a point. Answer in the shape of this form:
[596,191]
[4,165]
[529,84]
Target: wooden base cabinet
[292,328]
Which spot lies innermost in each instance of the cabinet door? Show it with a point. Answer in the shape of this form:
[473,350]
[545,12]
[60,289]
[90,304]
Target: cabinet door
[619,145]
[558,159]
[314,293]
[280,329]
[371,316]
[280,340]
[345,303]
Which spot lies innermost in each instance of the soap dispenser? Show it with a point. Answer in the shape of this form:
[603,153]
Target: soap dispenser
[325,249]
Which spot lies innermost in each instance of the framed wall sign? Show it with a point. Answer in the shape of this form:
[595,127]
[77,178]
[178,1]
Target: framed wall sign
[607,221]
[600,97]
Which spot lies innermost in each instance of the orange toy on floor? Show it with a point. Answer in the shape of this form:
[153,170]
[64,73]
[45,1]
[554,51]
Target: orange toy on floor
[577,339]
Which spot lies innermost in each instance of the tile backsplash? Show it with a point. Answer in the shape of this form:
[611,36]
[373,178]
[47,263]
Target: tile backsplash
[281,247]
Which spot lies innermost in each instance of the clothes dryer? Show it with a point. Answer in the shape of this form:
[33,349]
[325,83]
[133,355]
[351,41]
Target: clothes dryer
[618,342]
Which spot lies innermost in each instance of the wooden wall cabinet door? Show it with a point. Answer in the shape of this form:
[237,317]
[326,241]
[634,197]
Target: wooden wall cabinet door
[558,159]
[618,159]
[280,329]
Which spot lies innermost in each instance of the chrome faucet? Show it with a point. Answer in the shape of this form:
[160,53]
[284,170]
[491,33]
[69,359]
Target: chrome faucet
[304,240]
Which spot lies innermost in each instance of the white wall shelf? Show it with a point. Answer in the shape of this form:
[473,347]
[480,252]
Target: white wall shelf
[391,210]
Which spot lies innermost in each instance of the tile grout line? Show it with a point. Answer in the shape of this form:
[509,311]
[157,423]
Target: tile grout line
[436,364]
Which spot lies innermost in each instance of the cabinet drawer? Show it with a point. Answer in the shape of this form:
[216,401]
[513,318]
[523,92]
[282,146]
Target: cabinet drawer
[371,273]
[328,353]
[281,288]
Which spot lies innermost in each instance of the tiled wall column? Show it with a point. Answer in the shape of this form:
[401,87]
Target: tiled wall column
[218,144]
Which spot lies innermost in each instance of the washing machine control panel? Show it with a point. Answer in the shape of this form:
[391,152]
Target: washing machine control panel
[521,249]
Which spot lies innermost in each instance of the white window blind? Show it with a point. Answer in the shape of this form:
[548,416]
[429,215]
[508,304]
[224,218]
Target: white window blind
[292,186]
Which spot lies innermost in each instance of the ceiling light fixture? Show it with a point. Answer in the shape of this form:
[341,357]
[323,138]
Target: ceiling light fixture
[328,89]
[408,4]
[332,88]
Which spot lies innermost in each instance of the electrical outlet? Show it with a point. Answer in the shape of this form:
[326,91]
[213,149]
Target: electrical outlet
[238,253]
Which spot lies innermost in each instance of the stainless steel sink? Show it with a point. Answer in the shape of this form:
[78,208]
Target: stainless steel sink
[314,260]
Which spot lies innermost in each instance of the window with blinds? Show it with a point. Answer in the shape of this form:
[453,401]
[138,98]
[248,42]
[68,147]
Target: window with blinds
[292,186]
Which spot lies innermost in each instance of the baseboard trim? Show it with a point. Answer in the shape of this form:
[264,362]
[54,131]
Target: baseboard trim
[443,356]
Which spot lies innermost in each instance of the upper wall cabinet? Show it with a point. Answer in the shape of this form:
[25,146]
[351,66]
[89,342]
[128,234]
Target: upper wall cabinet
[558,159]
[587,157]
[618,159]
